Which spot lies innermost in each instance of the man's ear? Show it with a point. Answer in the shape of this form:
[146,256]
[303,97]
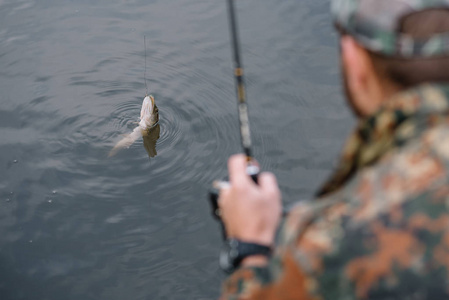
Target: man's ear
[360,76]
[354,64]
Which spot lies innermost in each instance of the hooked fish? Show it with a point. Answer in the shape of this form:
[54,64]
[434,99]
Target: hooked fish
[149,119]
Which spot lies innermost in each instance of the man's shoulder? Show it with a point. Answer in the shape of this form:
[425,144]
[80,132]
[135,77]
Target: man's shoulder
[419,167]
[386,231]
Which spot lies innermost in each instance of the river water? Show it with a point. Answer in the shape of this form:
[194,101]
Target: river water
[77,224]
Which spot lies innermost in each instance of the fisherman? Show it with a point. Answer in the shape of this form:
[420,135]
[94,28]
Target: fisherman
[379,227]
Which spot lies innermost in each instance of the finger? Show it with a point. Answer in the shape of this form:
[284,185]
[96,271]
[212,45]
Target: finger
[237,168]
[268,184]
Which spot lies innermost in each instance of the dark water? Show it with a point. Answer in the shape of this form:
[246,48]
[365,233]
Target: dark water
[76,224]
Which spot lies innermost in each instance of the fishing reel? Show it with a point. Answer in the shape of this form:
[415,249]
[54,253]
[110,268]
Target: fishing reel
[252,171]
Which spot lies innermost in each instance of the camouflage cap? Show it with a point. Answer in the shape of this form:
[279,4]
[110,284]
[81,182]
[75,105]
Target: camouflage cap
[375,25]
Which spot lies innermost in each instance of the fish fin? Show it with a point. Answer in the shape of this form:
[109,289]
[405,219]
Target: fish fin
[127,141]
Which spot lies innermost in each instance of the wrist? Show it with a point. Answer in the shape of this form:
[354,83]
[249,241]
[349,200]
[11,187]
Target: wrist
[235,252]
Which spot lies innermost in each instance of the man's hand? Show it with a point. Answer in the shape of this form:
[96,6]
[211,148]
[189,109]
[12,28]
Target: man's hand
[250,212]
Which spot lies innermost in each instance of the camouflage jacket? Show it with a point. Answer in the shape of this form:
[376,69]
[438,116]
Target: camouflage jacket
[380,226]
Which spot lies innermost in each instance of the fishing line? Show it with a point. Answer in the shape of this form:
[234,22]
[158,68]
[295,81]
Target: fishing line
[145,70]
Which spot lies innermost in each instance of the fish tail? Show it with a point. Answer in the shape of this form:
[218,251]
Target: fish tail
[127,141]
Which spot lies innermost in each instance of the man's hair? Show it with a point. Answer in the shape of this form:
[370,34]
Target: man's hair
[410,72]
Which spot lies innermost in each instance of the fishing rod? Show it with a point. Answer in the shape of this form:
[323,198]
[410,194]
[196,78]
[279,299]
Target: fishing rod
[240,83]
[245,136]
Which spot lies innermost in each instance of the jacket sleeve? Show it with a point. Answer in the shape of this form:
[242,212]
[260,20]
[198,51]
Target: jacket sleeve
[283,278]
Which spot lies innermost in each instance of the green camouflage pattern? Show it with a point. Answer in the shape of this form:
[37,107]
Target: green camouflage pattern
[380,230]
[374,24]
